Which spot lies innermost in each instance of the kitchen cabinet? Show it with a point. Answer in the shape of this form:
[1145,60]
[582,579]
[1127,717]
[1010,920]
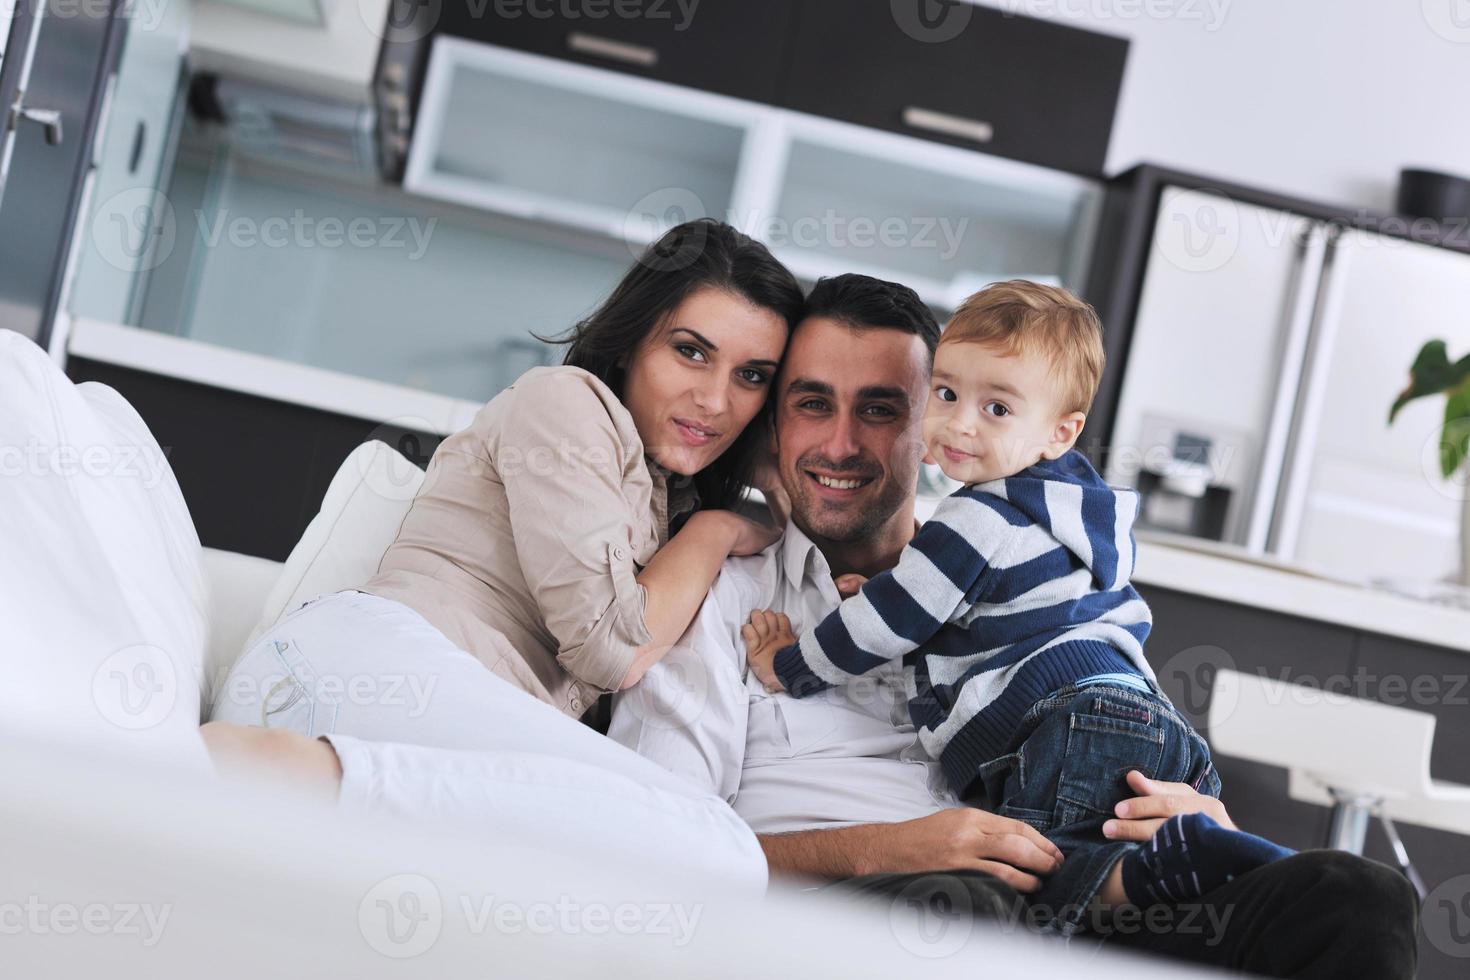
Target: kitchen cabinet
[968,75]
[732,47]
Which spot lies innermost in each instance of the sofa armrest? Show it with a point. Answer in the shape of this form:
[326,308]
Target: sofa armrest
[237,587]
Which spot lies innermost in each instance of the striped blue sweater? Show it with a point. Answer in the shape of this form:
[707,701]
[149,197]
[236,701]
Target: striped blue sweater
[1013,589]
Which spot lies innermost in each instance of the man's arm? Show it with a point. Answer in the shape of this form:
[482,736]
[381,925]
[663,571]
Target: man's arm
[952,839]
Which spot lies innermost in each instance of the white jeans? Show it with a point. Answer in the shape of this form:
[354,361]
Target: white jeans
[424,731]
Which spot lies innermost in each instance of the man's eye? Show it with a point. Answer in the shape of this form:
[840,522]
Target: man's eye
[946,394]
[690,351]
[880,410]
[812,403]
[998,410]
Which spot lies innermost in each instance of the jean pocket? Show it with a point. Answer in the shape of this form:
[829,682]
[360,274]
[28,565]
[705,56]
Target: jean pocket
[1039,820]
[1101,750]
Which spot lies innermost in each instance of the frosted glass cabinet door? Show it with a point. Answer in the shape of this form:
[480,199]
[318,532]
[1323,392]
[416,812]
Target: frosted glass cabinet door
[946,222]
[555,142]
[129,218]
[1375,504]
[1209,340]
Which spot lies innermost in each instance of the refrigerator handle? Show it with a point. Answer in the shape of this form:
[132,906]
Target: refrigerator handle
[1291,500]
[1311,257]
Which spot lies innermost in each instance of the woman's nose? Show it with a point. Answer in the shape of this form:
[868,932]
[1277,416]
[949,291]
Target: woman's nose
[713,398]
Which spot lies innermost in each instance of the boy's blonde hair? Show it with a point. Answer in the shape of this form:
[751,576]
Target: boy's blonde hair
[1027,317]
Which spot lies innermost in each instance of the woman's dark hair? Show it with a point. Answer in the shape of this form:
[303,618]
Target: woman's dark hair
[689,257]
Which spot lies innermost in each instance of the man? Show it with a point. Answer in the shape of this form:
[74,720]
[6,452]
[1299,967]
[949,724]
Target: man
[836,785]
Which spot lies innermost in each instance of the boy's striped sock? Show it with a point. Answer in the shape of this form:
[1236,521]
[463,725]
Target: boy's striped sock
[1192,855]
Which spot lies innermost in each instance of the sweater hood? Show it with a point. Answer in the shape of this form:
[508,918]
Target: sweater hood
[1071,501]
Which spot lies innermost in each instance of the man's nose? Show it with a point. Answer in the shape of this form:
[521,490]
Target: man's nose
[841,441]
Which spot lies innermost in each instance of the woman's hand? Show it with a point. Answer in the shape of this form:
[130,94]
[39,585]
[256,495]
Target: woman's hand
[765,635]
[1138,818]
[750,537]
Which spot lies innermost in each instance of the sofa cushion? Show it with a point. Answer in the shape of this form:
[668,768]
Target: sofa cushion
[360,516]
[102,598]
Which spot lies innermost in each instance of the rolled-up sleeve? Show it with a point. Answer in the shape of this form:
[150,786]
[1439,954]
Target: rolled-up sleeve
[565,469]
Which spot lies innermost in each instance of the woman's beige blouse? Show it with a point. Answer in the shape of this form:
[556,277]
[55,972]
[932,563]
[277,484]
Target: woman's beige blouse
[523,543]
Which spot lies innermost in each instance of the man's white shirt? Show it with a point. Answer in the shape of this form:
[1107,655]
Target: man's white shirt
[846,755]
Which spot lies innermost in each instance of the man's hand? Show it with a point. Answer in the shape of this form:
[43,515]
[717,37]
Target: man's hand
[765,635]
[952,839]
[1157,801]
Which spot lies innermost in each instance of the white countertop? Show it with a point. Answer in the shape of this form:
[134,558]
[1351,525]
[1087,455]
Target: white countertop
[1230,574]
[1221,572]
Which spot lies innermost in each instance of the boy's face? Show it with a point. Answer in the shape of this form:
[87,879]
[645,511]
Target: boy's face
[991,415]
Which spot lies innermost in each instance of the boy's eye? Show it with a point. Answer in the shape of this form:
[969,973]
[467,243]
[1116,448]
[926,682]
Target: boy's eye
[946,394]
[998,410]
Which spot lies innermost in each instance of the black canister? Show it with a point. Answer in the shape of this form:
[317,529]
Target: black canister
[1429,194]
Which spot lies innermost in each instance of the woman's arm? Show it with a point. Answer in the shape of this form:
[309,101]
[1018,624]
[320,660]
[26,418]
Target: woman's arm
[679,576]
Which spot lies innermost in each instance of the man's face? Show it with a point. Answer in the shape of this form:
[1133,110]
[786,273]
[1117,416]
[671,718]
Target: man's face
[849,416]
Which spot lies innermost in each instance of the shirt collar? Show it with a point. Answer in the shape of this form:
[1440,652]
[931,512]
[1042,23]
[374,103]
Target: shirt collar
[800,557]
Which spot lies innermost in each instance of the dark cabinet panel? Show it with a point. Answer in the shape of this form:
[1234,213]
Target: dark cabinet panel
[733,47]
[976,77]
[253,471]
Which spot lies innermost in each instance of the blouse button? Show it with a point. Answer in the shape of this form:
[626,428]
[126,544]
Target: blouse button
[619,552]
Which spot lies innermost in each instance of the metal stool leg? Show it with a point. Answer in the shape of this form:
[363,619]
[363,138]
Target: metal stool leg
[1350,815]
[1402,854]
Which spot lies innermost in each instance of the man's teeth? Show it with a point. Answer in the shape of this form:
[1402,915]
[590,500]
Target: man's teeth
[827,481]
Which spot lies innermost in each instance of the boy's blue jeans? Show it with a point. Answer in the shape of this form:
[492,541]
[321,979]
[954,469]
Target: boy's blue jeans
[1068,767]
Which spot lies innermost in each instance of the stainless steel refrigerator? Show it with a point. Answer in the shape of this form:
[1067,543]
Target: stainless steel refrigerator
[1267,346]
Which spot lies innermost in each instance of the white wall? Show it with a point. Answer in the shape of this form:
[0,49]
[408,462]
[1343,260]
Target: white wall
[1324,99]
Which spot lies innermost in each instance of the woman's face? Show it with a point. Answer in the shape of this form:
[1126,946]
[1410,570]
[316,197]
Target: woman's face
[698,378]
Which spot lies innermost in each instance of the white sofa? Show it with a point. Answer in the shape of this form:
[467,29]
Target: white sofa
[125,856]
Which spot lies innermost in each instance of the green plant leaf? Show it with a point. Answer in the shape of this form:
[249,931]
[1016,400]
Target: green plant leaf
[1454,438]
[1430,374]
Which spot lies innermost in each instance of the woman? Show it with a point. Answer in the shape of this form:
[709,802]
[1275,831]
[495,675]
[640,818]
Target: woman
[559,545]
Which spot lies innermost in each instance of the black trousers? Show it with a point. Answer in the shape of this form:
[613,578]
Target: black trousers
[1316,914]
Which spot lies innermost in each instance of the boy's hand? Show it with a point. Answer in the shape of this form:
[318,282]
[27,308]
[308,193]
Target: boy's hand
[848,585]
[765,635]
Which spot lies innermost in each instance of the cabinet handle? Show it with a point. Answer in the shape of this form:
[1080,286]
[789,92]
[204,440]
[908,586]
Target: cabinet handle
[939,122]
[47,119]
[602,47]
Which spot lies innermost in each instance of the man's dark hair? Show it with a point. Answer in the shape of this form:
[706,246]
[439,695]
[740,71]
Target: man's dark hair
[864,302]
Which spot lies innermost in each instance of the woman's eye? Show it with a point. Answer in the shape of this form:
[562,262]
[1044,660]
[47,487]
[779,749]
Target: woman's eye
[946,394]
[690,351]
[998,410]
[753,376]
